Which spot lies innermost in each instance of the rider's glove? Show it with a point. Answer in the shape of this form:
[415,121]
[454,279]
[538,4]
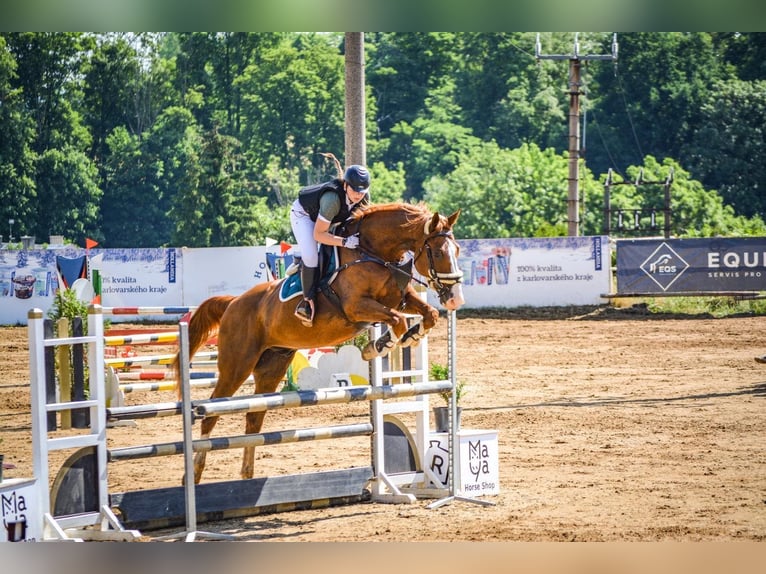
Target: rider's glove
[351,242]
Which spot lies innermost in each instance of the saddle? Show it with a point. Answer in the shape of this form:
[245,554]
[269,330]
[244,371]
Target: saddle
[329,265]
[328,269]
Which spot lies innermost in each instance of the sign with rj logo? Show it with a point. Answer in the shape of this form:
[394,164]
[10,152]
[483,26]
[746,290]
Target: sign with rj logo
[476,461]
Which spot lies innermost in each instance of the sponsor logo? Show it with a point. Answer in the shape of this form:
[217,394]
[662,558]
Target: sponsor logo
[664,266]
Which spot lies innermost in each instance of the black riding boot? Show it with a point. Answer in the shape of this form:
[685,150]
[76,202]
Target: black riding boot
[305,309]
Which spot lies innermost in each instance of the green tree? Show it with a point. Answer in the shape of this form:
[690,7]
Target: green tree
[68,195]
[17,186]
[387,185]
[144,177]
[695,210]
[129,194]
[226,216]
[507,193]
[108,99]
[510,97]
[406,66]
[432,144]
[730,135]
[49,69]
[294,103]
[650,103]
[745,51]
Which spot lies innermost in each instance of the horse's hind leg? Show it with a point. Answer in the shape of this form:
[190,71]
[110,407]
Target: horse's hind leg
[235,363]
[268,373]
[199,459]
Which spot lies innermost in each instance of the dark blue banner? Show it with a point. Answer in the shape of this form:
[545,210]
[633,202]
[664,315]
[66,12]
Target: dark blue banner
[679,265]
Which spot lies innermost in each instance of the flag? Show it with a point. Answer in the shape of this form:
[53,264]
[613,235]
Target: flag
[90,243]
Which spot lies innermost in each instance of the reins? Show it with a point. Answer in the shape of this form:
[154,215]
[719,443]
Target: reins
[368,256]
[441,283]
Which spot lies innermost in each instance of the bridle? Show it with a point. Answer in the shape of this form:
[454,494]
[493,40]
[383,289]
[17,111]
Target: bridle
[441,283]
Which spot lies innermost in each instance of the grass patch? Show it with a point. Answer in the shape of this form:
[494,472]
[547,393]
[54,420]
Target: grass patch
[714,306]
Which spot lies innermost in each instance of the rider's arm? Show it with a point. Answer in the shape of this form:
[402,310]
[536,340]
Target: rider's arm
[329,206]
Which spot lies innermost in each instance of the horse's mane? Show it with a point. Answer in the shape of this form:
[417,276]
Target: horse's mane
[415,213]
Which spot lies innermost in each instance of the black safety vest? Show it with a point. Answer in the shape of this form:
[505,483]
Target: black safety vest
[309,198]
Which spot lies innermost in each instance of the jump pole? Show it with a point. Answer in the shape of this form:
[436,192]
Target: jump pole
[292,399]
[191,533]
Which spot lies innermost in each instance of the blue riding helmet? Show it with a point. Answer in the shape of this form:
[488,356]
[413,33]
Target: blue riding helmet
[357,177]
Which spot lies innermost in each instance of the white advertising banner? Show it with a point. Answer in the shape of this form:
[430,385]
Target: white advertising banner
[536,272]
[497,273]
[28,280]
[223,271]
[139,277]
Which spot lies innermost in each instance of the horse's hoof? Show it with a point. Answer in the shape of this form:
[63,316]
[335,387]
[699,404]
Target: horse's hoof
[369,353]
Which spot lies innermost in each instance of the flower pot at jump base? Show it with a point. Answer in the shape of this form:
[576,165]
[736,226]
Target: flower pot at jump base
[441,418]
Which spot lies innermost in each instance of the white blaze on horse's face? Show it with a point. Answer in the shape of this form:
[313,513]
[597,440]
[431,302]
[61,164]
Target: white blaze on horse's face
[441,249]
[455,300]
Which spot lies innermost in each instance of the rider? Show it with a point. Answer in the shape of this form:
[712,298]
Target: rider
[312,214]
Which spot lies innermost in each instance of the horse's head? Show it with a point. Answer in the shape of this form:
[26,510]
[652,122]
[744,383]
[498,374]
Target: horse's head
[437,260]
[393,229]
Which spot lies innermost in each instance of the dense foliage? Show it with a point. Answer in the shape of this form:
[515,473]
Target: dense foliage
[204,139]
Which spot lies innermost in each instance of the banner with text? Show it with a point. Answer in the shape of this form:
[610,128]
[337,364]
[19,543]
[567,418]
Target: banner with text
[691,265]
[535,272]
[497,273]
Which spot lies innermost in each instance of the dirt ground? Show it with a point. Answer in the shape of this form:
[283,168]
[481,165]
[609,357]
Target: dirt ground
[614,425]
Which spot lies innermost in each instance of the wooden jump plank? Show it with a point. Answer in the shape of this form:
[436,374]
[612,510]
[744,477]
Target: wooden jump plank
[165,507]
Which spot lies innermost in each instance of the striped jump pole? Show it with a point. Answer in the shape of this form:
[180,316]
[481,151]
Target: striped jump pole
[292,399]
[122,362]
[140,339]
[161,375]
[165,386]
[169,409]
[147,310]
[241,441]
[208,381]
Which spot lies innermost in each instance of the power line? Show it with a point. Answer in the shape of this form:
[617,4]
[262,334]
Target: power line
[630,119]
[575,59]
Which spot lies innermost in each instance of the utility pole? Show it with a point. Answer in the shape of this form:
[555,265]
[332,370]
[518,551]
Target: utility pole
[575,60]
[356,143]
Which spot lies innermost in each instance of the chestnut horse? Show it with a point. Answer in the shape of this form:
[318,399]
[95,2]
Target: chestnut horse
[259,334]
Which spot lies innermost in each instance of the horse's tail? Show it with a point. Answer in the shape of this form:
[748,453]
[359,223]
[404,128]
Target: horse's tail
[203,323]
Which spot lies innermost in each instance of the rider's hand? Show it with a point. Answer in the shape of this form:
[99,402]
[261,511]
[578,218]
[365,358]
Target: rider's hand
[351,242]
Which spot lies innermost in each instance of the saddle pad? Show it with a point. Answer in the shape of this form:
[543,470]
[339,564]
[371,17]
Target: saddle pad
[292,285]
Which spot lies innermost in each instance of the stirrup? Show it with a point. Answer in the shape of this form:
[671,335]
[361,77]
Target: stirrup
[305,312]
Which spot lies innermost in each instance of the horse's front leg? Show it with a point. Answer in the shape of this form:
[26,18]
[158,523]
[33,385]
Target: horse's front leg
[372,311]
[413,303]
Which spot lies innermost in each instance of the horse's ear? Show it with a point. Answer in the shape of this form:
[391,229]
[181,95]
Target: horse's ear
[434,224]
[452,219]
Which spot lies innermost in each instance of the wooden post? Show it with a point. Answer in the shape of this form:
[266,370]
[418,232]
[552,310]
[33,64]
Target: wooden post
[65,371]
[50,374]
[356,144]
[80,417]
